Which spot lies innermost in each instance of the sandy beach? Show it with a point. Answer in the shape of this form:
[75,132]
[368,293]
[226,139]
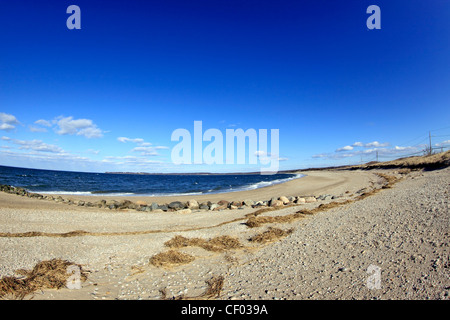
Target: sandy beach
[402,230]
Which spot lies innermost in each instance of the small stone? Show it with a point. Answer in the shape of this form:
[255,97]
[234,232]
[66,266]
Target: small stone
[204,206]
[284,199]
[276,203]
[176,205]
[236,203]
[184,211]
[223,203]
[249,202]
[154,206]
[192,204]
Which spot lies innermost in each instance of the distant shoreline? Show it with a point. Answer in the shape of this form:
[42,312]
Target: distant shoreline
[195,173]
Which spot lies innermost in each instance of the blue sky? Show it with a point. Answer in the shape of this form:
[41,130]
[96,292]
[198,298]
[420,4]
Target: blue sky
[107,97]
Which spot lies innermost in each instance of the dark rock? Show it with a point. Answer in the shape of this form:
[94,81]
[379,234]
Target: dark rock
[177,205]
[204,206]
[163,207]
[223,203]
[112,204]
[249,202]
[126,204]
[236,203]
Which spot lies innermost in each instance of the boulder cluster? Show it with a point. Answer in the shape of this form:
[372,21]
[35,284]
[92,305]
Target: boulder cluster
[178,206]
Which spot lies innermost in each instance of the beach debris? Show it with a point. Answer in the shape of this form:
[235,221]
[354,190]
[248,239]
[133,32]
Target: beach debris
[254,222]
[213,290]
[170,258]
[50,274]
[270,234]
[217,244]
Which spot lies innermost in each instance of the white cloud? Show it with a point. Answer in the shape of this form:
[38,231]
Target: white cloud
[92,151]
[37,145]
[442,143]
[36,129]
[130,160]
[136,140]
[371,151]
[79,127]
[267,156]
[376,144]
[144,148]
[44,123]
[147,151]
[7,121]
[6,126]
[346,148]
[260,153]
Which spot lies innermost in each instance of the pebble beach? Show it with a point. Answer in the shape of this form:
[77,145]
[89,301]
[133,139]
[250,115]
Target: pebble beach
[320,251]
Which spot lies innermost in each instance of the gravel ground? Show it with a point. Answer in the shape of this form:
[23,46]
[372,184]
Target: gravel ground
[403,233]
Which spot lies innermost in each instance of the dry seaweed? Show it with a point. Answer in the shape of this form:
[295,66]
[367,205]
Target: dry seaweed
[270,235]
[171,258]
[51,274]
[213,290]
[216,244]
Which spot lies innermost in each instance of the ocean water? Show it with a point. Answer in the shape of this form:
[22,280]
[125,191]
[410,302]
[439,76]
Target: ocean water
[82,183]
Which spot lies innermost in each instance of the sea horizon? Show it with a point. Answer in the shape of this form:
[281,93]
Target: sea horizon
[47,181]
